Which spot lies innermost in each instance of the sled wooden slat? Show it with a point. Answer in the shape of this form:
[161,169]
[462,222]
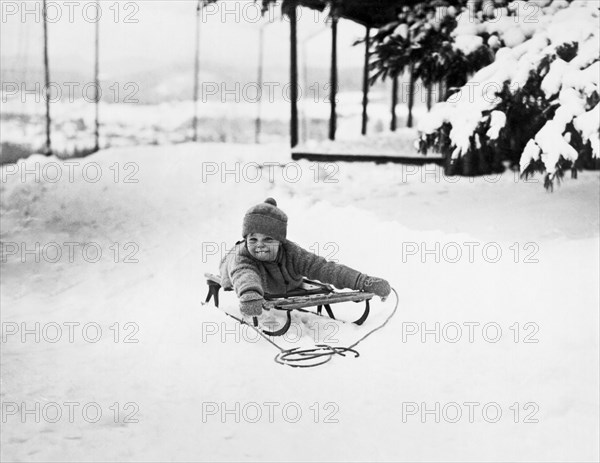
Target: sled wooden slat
[300,302]
[310,294]
[307,287]
[310,300]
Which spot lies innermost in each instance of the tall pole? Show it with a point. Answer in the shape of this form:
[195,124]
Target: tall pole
[411,95]
[305,81]
[394,122]
[97,81]
[429,96]
[411,87]
[304,42]
[196,72]
[261,45]
[48,149]
[294,75]
[333,79]
[365,101]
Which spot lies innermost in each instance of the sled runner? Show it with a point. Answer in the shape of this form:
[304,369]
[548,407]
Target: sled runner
[310,294]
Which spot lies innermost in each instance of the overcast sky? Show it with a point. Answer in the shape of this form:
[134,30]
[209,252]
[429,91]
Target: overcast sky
[144,35]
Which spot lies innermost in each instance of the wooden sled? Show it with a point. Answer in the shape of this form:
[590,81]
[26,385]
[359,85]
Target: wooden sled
[310,294]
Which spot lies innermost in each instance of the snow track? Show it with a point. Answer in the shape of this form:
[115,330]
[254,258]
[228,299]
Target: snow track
[180,369]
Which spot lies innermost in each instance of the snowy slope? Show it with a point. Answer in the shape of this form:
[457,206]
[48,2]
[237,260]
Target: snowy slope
[177,211]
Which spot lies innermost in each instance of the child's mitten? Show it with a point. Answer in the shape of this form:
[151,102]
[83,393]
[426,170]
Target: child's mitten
[377,286]
[251,303]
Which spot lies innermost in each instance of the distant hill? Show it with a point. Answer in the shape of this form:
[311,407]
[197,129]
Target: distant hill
[162,84]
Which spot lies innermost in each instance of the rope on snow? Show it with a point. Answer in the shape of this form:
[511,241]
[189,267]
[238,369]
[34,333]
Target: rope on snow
[321,353]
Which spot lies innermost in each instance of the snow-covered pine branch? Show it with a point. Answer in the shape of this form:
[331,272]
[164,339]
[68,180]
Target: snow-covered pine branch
[536,105]
[421,38]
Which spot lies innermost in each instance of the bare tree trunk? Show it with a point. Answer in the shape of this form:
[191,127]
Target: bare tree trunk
[48,149]
[394,123]
[97,82]
[196,72]
[305,128]
[261,45]
[429,96]
[294,75]
[411,96]
[333,79]
[365,101]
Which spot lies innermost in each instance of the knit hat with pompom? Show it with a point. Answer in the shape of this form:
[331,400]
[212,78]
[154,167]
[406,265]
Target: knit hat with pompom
[266,218]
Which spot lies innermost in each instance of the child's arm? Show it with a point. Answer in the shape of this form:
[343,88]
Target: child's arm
[243,274]
[318,268]
[311,266]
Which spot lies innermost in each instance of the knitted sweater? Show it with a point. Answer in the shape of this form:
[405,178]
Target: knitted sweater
[242,272]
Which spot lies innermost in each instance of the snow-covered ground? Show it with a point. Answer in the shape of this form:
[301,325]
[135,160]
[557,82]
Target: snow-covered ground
[229,119]
[398,143]
[185,395]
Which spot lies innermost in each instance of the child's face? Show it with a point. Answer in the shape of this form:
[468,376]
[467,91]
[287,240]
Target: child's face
[262,247]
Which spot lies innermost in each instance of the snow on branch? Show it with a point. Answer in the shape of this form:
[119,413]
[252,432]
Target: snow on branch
[536,105]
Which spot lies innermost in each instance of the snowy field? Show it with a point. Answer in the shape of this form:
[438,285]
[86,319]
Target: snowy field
[22,123]
[503,273]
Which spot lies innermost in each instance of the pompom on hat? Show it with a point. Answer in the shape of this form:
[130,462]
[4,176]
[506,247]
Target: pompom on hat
[266,218]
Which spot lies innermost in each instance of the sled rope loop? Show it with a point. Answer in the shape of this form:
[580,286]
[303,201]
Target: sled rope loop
[322,353]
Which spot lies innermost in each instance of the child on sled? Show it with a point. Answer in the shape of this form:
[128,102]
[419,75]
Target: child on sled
[267,262]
